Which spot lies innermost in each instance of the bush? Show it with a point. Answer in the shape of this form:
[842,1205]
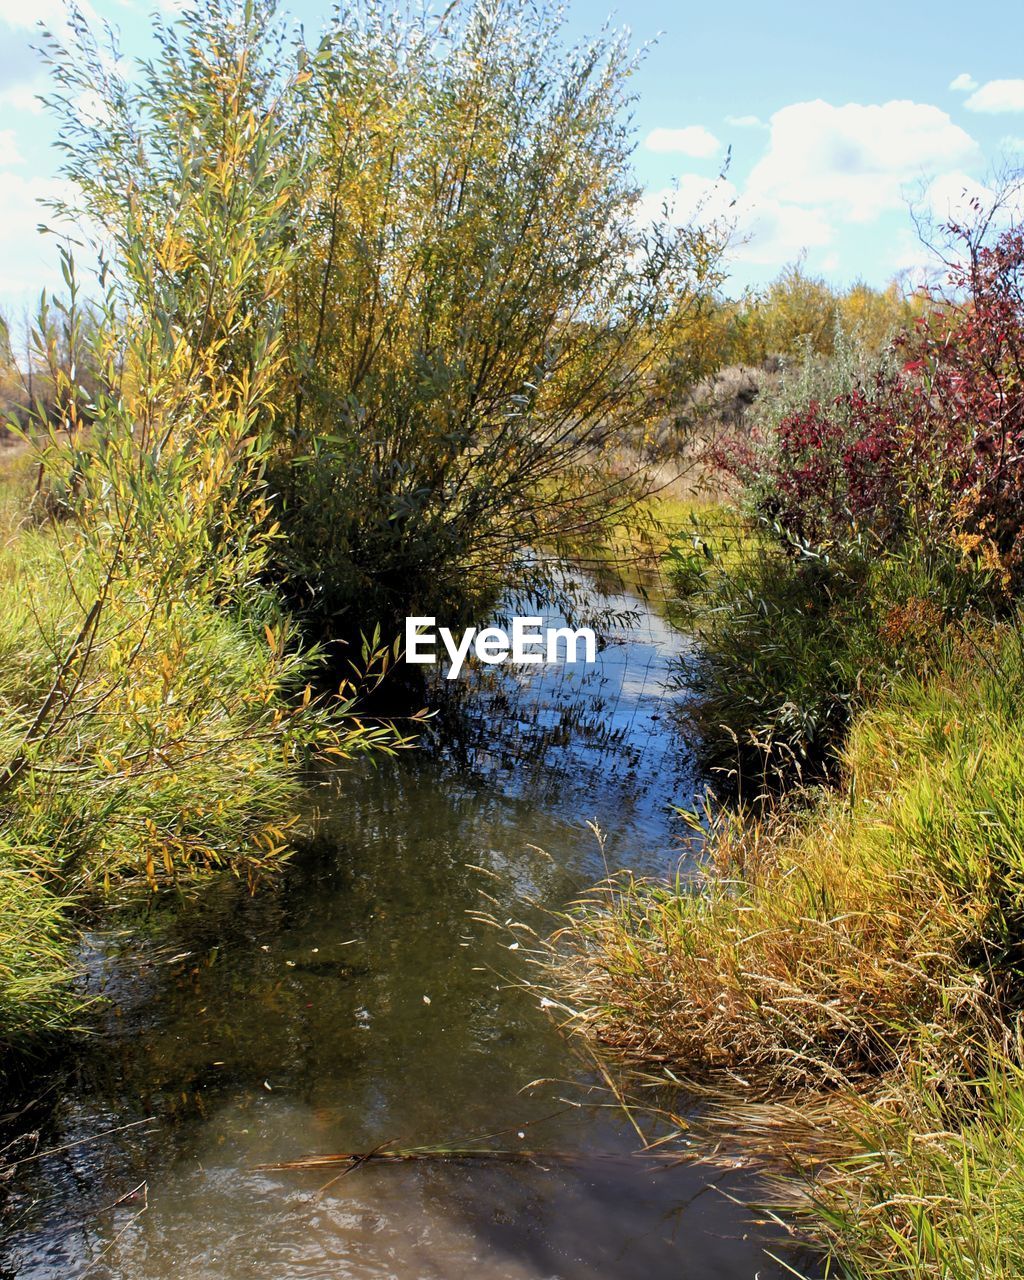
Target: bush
[794,315]
[790,642]
[37,995]
[928,447]
[174,751]
[883,504]
[435,217]
[155,699]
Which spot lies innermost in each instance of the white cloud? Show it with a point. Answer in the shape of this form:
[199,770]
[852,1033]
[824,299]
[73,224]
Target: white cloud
[950,197]
[19,60]
[774,233]
[746,122]
[914,262]
[857,159]
[947,199]
[17,14]
[824,169]
[91,108]
[9,153]
[53,14]
[693,196]
[165,6]
[694,141]
[957,197]
[24,98]
[998,95]
[963,83]
[767,232]
[29,260]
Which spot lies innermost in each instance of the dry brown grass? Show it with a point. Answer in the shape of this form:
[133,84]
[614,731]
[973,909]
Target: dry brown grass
[843,982]
[785,963]
[840,940]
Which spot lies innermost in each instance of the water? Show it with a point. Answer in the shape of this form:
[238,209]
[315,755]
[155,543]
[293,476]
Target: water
[360,1003]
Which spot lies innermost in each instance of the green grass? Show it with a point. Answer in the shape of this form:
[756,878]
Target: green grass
[789,647]
[634,555]
[178,756]
[869,943]
[933,1182]
[37,998]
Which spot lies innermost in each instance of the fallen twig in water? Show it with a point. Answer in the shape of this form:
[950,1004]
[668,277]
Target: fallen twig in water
[399,1156]
[81,1142]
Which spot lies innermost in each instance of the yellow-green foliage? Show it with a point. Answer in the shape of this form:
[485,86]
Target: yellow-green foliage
[795,313]
[35,993]
[175,755]
[410,255]
[878,926]
[934,1184]
[871,944]
[153,696]
[177,745]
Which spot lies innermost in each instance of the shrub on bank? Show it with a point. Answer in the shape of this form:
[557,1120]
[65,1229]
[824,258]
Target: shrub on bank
[789,645]
[882,504]
[37,998]
[923,448]
[176,756]
[462,320]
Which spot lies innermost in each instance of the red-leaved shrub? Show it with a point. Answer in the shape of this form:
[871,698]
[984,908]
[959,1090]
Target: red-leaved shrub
[932,446]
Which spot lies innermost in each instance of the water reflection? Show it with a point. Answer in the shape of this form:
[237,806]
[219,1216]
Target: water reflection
[358,1004]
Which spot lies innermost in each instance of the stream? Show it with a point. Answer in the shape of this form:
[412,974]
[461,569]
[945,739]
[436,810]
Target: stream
[359,1003]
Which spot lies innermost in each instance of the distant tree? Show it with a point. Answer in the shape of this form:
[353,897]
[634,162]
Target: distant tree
[9,379]
[794,315]
[6,349]
[795,308]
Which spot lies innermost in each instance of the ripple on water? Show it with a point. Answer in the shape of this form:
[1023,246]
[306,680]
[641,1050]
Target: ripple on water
[357,1003]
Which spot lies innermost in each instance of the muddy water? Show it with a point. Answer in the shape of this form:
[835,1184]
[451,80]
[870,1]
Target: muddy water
[359,1003]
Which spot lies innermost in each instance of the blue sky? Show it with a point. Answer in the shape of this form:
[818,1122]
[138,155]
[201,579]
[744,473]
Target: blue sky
[838,117]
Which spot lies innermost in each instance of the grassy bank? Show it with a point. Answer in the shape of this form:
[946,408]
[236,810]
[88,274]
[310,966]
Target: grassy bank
[661,532]
[868,944]
[835,941]
[176,756]
[845,969]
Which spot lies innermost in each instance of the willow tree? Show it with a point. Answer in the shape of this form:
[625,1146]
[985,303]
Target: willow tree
[185,188]
[157,706]
[477,308]
[470,308]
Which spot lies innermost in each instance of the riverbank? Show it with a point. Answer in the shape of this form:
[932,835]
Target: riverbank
[844,973]
[162,749]
[866,947]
